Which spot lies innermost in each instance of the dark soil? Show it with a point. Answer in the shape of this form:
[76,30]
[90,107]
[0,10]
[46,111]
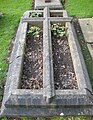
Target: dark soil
[55,15]
[32,77]
[64,75]
[92,46]
[2,83]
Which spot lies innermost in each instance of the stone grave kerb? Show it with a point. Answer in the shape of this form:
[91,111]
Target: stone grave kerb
[26,102]
[52,4]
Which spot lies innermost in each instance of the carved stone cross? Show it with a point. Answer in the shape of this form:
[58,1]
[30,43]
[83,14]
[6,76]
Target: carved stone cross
[48,77]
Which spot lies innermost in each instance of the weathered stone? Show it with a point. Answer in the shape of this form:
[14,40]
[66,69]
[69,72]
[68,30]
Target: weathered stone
[91,21]
[48,101]
[48,77]
[54,4]
[87,29]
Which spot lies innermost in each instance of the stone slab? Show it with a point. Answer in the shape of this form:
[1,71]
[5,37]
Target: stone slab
[50,112]
[54,4]
[91,21]
[90,47]
[87,29]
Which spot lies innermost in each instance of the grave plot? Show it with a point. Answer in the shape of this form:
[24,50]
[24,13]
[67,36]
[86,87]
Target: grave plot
[52,4]
[64,75]
[32,74]
[47,75]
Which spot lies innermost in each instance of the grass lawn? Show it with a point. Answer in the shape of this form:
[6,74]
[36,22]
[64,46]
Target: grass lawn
[52,118]
[79,8]
[12,11]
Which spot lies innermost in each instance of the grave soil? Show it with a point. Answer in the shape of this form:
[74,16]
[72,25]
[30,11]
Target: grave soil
[64,75]
[32,76]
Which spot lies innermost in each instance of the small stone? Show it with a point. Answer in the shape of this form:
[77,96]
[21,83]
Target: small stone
[61,114]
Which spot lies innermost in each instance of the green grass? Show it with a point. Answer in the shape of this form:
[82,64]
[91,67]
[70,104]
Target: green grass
[79,8]
[12,11]
[52,118]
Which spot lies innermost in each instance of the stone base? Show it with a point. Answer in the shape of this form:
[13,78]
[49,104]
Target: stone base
[54,4]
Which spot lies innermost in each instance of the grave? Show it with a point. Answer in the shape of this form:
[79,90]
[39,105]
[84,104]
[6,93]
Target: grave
[48,100]
[53,4]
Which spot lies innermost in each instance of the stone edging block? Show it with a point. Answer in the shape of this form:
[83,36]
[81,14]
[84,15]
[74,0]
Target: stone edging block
[54,4]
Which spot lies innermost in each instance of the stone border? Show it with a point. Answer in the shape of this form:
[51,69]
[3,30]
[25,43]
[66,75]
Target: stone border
[48,101]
